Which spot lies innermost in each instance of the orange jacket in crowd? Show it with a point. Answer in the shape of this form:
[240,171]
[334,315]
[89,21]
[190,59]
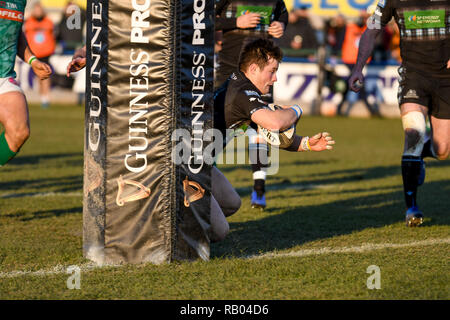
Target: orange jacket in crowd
[40,36]
[350,46]
[394,46]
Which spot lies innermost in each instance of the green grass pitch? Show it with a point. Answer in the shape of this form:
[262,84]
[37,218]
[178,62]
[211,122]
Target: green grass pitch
[330,216]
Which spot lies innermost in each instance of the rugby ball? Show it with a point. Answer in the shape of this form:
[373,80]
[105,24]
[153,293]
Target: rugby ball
[280,139]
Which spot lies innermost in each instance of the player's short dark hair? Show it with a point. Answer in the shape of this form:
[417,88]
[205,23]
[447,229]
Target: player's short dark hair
[259,51]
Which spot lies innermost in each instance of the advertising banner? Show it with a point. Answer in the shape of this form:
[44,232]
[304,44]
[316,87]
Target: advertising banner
[330,8]
[297,83]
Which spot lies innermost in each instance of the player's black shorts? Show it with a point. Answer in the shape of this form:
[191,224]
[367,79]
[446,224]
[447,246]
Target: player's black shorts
[426,90]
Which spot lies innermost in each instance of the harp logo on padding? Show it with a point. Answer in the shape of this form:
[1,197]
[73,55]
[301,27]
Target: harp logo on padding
[193,191]
[142,192]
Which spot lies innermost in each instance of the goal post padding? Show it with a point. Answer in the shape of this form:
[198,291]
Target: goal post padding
[149,73]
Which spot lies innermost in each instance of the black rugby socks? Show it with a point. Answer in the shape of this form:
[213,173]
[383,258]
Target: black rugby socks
[411,166]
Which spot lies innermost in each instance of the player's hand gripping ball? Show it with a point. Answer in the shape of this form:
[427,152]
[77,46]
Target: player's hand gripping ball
[281,139]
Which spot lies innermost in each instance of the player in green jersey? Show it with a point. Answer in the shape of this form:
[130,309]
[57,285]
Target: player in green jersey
[13,104]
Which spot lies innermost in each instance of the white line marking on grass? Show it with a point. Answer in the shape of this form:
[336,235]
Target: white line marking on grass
[59,269]
[357,249]
[41,194]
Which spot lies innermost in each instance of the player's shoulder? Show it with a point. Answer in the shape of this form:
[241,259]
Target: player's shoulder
[240,86]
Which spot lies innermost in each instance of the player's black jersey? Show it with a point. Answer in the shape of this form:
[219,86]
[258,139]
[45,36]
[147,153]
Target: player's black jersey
[241,101]
[424,32]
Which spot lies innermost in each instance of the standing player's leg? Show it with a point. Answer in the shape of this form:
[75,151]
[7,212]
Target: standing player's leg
[259,154]
[438,142]
[441,137]
[45,86]
[414,126]
[14,118]
[44,91]
[440,120]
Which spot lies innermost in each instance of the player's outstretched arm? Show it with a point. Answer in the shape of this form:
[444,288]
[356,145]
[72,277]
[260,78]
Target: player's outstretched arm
[279,119]
[319,142]
[41,69]
[366,46]
[78,61]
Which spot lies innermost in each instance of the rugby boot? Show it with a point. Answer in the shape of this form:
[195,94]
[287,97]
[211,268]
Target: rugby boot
[258,202]
[414,217]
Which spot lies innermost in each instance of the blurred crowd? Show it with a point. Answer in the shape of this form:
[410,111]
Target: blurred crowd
[303,36]
[306,32]
[340,37]
[332,41]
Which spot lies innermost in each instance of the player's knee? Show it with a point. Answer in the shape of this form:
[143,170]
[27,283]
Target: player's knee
[219,233]
[415,130]
[237,203]
[233,205]
[442,150]
[412,137]
[18,136]
[23,133]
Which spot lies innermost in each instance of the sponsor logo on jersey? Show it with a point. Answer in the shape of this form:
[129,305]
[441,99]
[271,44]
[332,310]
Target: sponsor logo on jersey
[411,94]
[11,15]
[8,5]
[251,93]
[256,99]
[422,19]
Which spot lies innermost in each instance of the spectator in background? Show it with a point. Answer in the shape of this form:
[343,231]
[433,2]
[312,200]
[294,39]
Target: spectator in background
[394,43]
[381,52]
[70,35]
[244,21]
[353,33]
[335,34]
[318,24]
[299,33]
[38,30]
